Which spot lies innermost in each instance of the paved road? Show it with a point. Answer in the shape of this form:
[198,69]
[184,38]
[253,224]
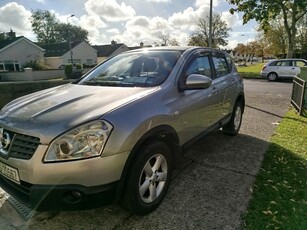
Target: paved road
[210,190]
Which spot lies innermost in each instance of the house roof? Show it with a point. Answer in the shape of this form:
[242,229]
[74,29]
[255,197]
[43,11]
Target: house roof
[139,47]
[11,41]
[107,50]
[59,49]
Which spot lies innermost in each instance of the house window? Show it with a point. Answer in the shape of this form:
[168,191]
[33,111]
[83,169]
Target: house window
[75,61]
[9,66]
[89,61]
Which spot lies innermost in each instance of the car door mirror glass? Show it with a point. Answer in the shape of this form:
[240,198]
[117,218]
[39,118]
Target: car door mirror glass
[198,81]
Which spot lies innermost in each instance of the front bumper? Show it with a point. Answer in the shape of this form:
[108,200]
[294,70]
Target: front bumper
[60,197]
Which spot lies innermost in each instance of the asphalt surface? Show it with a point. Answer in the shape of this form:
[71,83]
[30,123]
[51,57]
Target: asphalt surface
[211,188]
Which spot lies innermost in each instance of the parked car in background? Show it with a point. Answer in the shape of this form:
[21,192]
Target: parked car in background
[116,133]
[282,68]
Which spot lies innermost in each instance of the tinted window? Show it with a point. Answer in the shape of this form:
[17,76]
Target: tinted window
[200,65]
[221,66]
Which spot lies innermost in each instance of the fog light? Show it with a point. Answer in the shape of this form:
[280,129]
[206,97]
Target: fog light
[72,197]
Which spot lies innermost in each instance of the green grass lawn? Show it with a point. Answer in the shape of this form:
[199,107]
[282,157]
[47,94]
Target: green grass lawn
[251,70]
[279,199]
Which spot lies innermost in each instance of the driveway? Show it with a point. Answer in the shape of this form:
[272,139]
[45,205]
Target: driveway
[211,187]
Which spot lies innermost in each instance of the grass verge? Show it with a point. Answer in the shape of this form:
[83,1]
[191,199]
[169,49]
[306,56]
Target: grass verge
[279,199]
[251,71]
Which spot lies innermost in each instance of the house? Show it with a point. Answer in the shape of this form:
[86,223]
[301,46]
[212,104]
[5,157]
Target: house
[15,52]
[140,46]
[106,51]
[79,52]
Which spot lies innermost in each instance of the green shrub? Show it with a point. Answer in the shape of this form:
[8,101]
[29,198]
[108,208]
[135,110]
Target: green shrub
[68,70]
[78,66]
[38,64]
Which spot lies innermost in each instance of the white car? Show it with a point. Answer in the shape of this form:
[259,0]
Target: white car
[282,68]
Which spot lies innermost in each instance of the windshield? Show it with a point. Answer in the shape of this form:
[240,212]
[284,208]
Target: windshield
[137,69]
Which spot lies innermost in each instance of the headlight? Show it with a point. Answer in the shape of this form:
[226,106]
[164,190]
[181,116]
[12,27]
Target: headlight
[83,142]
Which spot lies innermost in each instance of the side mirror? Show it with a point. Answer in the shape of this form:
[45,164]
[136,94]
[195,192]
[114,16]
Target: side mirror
[198,81]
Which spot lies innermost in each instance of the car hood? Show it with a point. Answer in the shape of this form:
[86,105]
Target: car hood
[51,112]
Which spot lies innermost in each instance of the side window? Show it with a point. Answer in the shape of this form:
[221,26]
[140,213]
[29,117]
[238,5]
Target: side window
[221,66]
[275,63]
[200,65]
[286,63]
[230,62]
[300,63]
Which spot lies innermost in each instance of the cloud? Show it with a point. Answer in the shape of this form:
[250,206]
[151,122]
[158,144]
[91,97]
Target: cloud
[232,20]
[187,20]
[16,17]
[159,1]
[199,3]
[110,10]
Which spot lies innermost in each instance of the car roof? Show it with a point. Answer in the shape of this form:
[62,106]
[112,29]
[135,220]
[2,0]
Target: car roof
[289,59]
[175,48]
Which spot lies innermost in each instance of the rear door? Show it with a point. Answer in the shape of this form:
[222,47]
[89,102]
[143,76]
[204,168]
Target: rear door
[199,108]
[284,68]
[225,81]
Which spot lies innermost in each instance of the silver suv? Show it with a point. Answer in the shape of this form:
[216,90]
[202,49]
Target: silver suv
[116,133]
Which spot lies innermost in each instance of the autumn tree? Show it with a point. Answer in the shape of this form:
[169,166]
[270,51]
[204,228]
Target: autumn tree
[220,32]
[264,11]
[49,30]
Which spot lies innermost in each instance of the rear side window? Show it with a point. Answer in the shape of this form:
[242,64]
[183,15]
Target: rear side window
[221,66]
[300,63]
[282,63]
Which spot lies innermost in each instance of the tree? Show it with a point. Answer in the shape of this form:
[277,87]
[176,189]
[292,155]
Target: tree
[200,37]
[49,30]
[167,40]
[44,26]
[76,33]
[264,11]
[277,40]
[302,36]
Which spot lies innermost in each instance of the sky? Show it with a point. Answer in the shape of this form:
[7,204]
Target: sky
[127,21]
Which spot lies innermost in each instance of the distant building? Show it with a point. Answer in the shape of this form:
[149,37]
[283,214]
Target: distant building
[106,51]
[15,52]
[140,46]
[58,54]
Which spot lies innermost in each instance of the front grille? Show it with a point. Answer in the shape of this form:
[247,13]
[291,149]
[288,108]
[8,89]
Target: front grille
[23,147]
[17,145]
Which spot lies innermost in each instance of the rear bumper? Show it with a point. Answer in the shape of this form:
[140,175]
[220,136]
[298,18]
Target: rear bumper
[60,197]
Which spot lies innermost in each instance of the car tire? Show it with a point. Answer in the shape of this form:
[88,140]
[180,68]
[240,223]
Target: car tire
[148,179]
[272,76]
[233,126]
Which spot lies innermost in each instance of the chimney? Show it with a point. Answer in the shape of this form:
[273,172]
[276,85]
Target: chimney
[113,42]
[141,44]
[11,34]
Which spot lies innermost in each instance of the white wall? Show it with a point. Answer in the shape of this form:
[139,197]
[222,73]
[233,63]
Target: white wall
[83,51]
[22,51]
[29,75]
[54,62]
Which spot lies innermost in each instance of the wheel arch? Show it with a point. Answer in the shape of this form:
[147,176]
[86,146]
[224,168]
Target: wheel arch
[163,133]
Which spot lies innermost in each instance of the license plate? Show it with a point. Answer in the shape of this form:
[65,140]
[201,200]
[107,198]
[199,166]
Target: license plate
[9,172]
